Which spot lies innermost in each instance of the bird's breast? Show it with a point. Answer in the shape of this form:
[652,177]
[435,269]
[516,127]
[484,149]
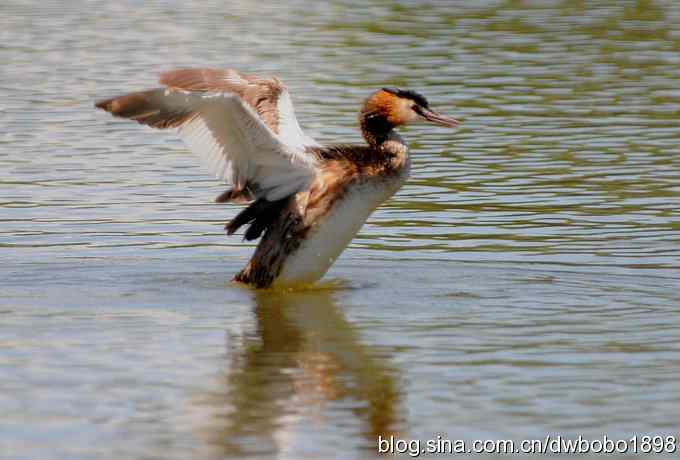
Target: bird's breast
[330,234]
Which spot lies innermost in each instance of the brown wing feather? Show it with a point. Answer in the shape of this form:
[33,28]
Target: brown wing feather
[145,107]
[262,94]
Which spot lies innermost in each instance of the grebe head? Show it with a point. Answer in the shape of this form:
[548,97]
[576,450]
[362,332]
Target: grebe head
[398,107]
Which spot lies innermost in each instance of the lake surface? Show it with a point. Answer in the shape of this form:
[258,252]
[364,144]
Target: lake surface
[525,282]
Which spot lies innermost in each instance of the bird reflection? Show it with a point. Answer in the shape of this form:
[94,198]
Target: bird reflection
[302,371]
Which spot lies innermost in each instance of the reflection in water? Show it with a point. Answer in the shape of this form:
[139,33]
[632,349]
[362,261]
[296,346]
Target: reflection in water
[304,367]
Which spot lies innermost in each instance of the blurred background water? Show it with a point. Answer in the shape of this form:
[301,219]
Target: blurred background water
[524,282]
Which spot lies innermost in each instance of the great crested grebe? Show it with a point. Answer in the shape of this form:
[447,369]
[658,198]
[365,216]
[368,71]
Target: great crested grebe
[307,201]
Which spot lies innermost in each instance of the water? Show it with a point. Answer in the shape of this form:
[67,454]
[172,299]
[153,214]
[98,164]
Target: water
[523,283]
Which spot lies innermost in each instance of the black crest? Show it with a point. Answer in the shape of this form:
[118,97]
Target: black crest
[409,94]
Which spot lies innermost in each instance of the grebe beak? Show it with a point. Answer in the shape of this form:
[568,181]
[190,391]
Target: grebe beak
[437,118]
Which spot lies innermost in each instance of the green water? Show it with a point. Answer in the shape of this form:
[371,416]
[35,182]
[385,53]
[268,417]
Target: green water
[523,283]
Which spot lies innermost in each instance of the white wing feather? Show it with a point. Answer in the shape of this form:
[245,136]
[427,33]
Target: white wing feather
[290,132]
[236,145]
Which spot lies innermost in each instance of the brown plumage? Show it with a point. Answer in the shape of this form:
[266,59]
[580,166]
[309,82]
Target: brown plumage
[260,93]
[306,201]
[146,107]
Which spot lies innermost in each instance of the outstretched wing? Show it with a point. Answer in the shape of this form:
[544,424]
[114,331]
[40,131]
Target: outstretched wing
[244,128]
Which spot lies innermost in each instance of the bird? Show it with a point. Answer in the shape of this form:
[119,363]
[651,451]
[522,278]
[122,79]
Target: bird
[305,201]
